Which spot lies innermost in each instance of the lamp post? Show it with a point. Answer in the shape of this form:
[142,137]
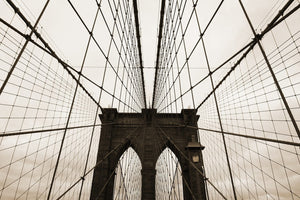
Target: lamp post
[197,180]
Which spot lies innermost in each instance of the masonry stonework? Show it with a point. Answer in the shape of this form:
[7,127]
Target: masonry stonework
[148,133]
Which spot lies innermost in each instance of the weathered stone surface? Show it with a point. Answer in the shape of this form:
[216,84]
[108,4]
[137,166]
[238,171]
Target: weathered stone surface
[143,132]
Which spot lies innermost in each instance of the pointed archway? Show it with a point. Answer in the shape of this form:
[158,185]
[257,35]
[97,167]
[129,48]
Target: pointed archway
[168,179]
[148,133]
[128,177]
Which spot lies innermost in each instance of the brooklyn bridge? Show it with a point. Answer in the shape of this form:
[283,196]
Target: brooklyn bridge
[144,100]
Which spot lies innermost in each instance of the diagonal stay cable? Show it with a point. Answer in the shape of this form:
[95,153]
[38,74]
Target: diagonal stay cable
[70,67]
[127,139]
[51,51]
[104,186]
[131,74]
[71,109]
[188,187]
[137,29]
[133,60]
[25,44]
[218,111]
[161,58]
[162,143]
[269,65]
[181,42]
[135,77]
[276,21]
[212,72]
[49,130]
[269,27]
[239,135]
[192,164]
[196,44]
[161,24]
[98,45]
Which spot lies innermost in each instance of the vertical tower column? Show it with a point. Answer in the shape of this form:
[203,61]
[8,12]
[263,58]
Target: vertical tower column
[148,154]
[149,144]
[103,179]
[148,184]
[194,182]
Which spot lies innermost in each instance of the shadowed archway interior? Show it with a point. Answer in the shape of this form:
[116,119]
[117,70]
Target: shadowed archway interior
[128,178]
[168,179]
[217,82]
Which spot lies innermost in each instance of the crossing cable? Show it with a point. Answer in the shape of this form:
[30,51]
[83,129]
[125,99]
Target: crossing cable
[91,140]
[183,41]
[172,46]
[126,140]
[265,173]
[122,176]
[218,111]
[106,183]
[137,29]
[236,134]
[165,49]
[211,73]
[98,45]
[104,90]
[258,38]
[159,150]
[137,77]
[176,174]
[25,44]
[276,21]
[263,72]
[269,27]
[189,188]
[112,41]
[70,67]
[168,48]
[122,43]
[194,47]
[161,24]
[64,65]
[47,46]
[71,108]
[174,177]
[127,22]
[126,170]
[44,49]
[48,130]
[183,178]
[137,62]
[169,166]
[134,60]
[228,59]
[113,172]
[177,48]
[191,163]
[187,58]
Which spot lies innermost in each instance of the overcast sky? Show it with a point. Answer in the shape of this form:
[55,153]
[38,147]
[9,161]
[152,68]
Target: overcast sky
[248,101]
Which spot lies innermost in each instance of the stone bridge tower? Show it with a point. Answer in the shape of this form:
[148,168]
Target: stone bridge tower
[149,133]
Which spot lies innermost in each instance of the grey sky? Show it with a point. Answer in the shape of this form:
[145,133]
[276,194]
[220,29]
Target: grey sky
[40,92]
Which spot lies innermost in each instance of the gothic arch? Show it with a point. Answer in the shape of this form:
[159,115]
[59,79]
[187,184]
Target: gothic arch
[127,184]
[168,172]
[144,133]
